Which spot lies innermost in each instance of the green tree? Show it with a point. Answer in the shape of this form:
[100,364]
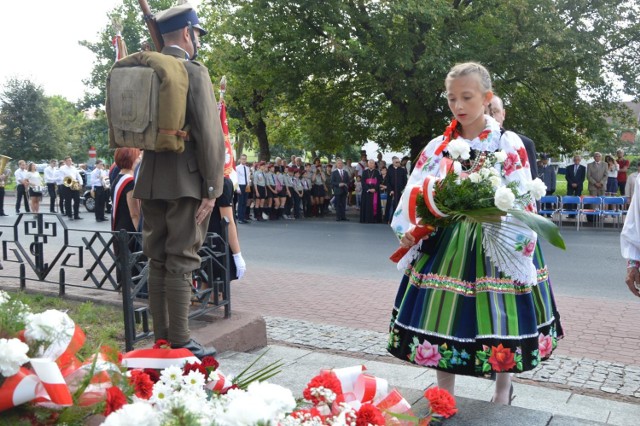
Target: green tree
[135,35]
[556,63]
[66,134]
[25,122]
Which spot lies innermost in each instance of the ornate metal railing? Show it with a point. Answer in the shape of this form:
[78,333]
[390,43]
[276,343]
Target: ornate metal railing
[41,248]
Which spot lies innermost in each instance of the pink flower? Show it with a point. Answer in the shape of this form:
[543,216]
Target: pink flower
[509,165]
[545,345]
[528,249]
[427,354]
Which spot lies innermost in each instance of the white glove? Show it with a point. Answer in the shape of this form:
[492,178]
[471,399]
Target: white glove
[241,266]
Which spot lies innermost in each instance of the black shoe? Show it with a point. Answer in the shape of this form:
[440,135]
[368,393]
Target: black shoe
[3,214]
[346,220]
[77,218]
[243,222]
[102,219]
[197,349]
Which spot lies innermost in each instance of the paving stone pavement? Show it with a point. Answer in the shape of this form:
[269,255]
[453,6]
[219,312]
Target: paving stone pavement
[562,371]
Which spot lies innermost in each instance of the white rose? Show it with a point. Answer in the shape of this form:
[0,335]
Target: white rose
[49,326]
[484,172]
[475,177]
[537,188]
[500,156]
[504,198]
[494,171]
[496,181]
[458,148]
[13,353]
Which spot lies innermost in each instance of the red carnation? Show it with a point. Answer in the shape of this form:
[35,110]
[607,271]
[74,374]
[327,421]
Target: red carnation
[326,380]
[194,366]
[441,402]
[501,359]
[115,400]
[162,344]
[210,362]
[153,374]
[369,414]
[142,384]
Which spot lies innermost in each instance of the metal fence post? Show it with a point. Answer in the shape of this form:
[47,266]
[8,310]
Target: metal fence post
[122,265]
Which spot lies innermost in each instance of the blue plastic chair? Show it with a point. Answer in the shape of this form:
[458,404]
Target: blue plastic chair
[592,206]
[549,204]
[613,207]
[565,202]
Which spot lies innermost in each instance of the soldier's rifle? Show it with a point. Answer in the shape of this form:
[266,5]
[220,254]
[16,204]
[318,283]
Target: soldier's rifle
[152,25]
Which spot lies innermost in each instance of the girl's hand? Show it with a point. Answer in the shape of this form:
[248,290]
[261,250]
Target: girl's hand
[407,240]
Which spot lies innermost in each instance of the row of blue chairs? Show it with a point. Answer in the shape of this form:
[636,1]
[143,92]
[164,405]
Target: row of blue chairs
[597,208]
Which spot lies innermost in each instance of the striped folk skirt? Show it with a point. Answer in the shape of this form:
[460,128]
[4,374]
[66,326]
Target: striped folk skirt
[456,312]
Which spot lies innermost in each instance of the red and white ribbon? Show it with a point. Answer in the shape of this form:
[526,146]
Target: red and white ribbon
[370,388]
[428,190]
[18,389]
[158,358]
[347,376]
[219,384]
[52,380]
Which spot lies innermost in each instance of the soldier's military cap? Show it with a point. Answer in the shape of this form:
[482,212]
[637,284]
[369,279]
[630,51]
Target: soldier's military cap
[178,17]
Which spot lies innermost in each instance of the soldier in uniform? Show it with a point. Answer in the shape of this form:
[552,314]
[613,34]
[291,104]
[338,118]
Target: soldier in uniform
[178,190]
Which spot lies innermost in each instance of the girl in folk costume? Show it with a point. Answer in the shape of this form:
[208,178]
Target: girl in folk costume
[455,310]
[371,208]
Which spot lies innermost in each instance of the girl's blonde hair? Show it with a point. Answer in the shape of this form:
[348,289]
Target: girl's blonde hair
[469,68]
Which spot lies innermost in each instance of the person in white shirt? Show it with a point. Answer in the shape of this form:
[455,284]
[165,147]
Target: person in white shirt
[34,181]
[50,181]
[244,181]
[21,186]
[98,176]
[68,193]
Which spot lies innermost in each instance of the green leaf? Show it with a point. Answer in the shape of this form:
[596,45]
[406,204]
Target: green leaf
[447,354]
[486,367]
[543,227]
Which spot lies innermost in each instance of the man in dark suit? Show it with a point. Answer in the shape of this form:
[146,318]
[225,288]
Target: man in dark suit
[397,177]
[179,189]
[340,184]
[497,111]
[575,175]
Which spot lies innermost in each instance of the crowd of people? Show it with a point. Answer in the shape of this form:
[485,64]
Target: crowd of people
[63,182]
[297,189]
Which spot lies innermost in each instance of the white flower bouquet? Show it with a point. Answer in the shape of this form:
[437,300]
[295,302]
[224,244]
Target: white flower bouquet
[479,197]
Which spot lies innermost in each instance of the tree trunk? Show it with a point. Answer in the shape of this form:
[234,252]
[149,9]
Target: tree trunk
[239,145]
[260,130]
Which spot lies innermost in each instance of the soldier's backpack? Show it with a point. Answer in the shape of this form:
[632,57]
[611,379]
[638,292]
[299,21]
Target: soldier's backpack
[147,101]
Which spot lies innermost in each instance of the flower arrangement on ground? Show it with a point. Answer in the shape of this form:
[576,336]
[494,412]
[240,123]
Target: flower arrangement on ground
[41,373]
